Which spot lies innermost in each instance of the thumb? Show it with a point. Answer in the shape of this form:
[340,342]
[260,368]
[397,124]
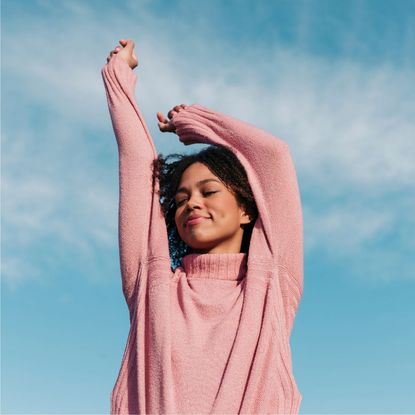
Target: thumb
[129,44]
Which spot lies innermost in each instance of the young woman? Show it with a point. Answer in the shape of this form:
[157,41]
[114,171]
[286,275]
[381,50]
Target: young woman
[211,254]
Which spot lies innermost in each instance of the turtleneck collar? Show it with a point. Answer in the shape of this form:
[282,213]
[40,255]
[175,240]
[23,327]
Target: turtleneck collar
[225,266]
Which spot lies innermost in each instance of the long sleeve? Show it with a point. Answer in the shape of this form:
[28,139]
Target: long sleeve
[273,179]
[138,205]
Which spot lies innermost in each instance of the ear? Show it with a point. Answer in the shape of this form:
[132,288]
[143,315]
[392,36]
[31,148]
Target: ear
[245,218]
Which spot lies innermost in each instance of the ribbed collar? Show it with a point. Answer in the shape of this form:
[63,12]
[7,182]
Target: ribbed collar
[227,266]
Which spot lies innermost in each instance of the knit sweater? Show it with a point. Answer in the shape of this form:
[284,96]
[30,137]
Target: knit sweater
[212,335]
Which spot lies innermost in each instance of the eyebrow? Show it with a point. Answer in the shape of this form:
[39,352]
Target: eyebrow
[183,189]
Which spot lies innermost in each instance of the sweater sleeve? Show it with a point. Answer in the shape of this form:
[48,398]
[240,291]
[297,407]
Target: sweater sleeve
[138,203]
[273,179]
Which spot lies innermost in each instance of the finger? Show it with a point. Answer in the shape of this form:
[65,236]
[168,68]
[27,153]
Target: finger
[129,45]
[162,127]
[180,107]
[175,110]
[171,113]
[162,118]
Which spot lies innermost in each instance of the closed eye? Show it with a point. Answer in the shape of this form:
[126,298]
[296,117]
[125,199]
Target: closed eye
[178,203]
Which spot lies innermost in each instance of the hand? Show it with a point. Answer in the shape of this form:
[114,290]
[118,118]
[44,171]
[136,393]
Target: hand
[164,124]
[126,51]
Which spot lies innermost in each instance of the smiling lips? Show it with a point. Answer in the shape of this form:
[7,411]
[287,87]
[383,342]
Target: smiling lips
[193,220]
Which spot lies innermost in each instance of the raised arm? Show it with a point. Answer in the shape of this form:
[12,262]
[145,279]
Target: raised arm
[272,175]
[136,154]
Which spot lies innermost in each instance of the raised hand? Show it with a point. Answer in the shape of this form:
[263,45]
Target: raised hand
[165,125]
[126,51]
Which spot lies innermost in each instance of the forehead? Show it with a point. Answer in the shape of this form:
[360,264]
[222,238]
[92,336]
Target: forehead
[195,172]
[195,175]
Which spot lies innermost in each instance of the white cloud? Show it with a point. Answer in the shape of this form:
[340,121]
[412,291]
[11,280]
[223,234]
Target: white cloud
[350,126]
[344,228]
[18,271]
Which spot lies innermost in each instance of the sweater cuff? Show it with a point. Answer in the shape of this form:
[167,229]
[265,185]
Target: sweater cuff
[190,124]
[119,70]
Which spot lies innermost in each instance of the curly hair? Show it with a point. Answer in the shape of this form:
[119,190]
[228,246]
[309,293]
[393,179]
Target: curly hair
[222,162]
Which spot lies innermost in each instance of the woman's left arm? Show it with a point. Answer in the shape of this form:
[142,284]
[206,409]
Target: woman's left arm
[273,179]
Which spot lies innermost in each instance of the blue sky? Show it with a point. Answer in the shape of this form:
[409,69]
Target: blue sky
[335,79]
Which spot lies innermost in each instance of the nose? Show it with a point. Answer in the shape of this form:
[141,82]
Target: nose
[192,203]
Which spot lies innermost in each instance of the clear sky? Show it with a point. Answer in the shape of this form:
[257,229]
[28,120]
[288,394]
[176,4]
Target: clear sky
[335,79]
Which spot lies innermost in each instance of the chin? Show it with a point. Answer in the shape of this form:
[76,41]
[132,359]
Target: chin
[199,246]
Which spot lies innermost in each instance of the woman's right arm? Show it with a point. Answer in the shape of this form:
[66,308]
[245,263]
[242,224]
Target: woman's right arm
[136,154]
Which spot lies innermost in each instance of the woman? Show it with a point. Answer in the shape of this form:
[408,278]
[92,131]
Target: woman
[211,335]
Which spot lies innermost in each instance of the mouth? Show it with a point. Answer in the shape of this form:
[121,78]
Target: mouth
[195,221]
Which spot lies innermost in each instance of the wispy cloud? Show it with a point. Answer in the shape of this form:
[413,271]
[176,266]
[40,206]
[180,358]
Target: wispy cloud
[350,127]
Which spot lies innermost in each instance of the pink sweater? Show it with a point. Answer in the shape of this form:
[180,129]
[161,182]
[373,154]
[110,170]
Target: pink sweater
[211,336]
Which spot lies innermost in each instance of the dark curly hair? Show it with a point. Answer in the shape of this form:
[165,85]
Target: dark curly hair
[222,162]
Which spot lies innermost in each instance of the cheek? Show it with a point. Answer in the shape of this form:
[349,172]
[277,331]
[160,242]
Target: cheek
[227,206]
[176,218]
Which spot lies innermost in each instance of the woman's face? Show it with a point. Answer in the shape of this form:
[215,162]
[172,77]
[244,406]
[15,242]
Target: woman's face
[202,193]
